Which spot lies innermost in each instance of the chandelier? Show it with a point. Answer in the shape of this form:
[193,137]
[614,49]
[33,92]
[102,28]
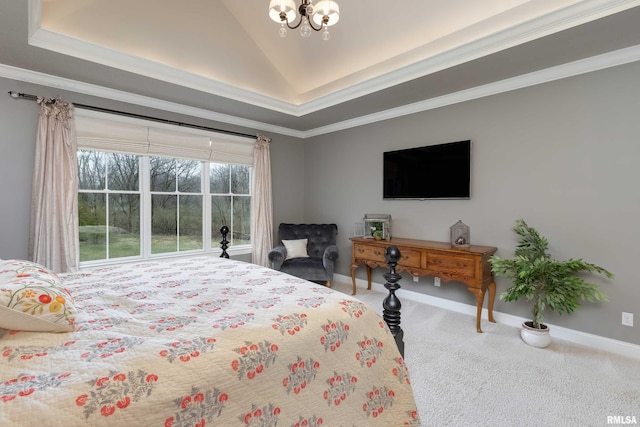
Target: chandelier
[324,14]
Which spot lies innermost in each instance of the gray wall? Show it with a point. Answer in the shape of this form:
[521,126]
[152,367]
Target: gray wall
[18,123]
[562,155]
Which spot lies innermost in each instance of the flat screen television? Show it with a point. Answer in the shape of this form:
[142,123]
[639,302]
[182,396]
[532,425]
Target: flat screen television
[440,171]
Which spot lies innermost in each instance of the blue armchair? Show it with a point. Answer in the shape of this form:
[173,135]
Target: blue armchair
[315,262]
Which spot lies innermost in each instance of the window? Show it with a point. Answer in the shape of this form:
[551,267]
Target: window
[108,205]
[122,195]
[176,204]
[230,187]
[151,189]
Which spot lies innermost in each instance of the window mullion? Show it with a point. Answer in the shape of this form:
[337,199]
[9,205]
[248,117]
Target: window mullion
[206,208]
[145,208]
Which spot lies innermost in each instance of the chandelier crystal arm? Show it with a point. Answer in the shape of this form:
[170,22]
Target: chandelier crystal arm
[303,15]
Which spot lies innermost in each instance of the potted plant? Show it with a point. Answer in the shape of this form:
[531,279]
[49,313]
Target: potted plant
[545,281]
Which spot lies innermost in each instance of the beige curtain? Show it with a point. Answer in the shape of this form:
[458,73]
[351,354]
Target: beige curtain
[262,209]
[53,240]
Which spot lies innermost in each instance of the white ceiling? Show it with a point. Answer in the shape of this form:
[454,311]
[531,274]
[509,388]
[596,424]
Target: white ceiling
[225,56]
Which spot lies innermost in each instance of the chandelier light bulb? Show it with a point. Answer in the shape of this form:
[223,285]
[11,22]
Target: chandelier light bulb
[305,29]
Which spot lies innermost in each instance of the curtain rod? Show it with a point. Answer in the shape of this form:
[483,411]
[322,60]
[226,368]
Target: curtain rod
[17,95]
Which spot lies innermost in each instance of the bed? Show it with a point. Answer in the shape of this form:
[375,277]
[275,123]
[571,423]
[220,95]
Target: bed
[193,342]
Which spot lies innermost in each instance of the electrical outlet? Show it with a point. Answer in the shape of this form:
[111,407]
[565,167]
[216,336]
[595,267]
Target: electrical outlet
[627,319]
[436,281]
[415,279]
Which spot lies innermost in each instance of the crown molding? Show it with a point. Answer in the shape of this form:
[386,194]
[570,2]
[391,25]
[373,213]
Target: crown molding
[61,43]
[562,19]
[61,83]
[607,60]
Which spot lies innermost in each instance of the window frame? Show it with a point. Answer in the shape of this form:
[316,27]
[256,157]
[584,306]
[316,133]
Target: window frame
[231,150]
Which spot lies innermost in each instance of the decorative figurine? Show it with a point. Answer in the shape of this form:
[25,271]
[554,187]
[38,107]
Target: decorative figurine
[460,235]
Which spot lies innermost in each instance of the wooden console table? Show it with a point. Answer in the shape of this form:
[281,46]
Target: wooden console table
[425,258]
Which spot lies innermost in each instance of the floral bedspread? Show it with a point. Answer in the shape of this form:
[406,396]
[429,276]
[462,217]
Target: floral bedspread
[206,341]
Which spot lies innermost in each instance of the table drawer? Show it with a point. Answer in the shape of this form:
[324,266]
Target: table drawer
[453,266]
[410,258]
[373,253]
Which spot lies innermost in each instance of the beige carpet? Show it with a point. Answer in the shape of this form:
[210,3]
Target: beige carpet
[462,378]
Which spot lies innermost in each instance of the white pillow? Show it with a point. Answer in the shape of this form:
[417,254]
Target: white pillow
[33,298]
[296,248]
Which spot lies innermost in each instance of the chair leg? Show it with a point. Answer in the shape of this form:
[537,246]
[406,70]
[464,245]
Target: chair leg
[328,283]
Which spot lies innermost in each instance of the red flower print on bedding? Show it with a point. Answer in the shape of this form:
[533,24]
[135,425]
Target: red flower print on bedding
[370,351]
[189,294]
[25,385]
[137,295]
[401,371]
[285,290]
[29,352]
[170,284]
[301,374]
[111,346]
[233,321]
[335,334]
[172,323]
[264,303]
[413,418]
[312,421]
[378,399]
[196,408]
[210,306]
[236,291]
[254,358]
[340,387]
[116,391]
[290,325]
[151,307]
[186,350]
[101,324]
[353,308]
[257,282]
[267,416]
[313,302]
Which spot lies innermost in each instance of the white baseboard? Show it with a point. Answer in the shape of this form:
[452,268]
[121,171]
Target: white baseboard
[589,340]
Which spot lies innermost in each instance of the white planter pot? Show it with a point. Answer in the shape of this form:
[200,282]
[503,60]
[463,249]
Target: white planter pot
[539,338]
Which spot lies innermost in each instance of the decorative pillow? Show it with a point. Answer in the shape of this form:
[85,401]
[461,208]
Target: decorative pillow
[33,298]
[296,248]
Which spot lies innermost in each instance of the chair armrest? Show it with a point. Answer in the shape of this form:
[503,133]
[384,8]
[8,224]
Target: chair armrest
[329,257]
[331,253]
[277,256]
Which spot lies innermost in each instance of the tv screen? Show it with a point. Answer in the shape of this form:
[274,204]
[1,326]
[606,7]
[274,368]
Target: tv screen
[440,171]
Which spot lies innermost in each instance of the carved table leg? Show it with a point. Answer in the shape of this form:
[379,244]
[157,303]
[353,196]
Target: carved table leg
[391,304]
[492,297]
[480,299]
[353,277]
[368,278]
